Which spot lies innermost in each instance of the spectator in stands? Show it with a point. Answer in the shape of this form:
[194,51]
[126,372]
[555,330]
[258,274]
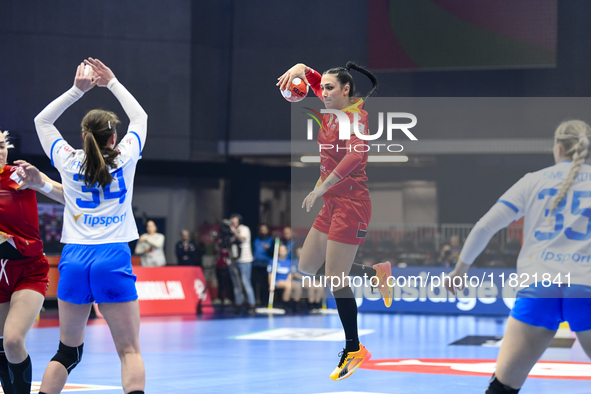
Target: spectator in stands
[283,275]
[150,247]
[450,252]
[288,241]
[243,262]
[186,251]
[222,272]
[263,253]
[201,249]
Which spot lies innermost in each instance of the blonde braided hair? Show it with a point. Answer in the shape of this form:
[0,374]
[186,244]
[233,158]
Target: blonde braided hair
[573,135]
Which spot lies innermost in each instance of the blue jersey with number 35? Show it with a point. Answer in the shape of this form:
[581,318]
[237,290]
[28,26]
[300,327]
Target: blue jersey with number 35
[558,242]
[95,215]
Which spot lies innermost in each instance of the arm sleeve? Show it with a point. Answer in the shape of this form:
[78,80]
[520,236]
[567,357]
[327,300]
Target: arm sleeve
[138,119]
[244,232]
[498,217]
[158,241]
[314,78]
[351,159]
[47,132]
[517,196]
[141,247]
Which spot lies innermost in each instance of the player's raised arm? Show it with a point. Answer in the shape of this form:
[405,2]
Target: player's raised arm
[137,116]
[47,132]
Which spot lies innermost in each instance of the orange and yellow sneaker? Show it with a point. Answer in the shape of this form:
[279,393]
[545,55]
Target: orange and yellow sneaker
[383,272]
[350,361]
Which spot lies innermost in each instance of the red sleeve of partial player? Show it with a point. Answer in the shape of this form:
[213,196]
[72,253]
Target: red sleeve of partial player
[18,215]
[351,159]
[314,78]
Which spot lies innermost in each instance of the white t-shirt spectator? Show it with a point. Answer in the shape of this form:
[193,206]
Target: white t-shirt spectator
[151,250]
[245,247]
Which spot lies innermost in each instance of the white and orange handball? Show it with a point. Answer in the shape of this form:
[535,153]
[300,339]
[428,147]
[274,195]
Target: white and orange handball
[297,91]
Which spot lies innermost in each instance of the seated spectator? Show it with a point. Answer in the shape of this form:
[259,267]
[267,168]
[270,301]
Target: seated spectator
[150,247]
[450,252]
[186,251]
[283,275]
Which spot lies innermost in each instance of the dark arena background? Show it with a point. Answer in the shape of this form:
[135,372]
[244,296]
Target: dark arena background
[488,81]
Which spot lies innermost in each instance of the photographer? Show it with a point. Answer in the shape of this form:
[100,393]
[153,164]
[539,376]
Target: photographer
[223,246]
[241,275]
[450,252]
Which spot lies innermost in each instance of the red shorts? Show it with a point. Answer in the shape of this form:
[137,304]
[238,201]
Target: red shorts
[31,273]
[343,219]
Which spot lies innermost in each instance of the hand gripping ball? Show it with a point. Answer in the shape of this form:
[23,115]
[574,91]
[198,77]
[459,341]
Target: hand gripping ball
[296,91]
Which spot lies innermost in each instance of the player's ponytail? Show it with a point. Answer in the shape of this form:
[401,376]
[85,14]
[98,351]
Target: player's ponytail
[367,73]
[98,126]
[344,77]
[574,136]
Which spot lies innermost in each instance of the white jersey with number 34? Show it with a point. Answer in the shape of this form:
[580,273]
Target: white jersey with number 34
[98,215]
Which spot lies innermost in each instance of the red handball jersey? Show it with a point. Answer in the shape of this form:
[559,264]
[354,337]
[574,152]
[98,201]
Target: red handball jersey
[18,213]
[346,158]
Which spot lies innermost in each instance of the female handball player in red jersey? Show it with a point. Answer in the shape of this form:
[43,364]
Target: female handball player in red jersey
[23,269]
[341,226]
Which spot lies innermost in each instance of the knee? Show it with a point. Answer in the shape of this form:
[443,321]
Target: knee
[307,268]
[335,273]
[68,356]
[128,350]
[13,343]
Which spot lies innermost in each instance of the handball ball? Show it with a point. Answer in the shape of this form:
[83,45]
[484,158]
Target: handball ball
[296,91]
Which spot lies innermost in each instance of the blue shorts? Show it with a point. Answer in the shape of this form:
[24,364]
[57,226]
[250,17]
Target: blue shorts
[549,306]
[100,273]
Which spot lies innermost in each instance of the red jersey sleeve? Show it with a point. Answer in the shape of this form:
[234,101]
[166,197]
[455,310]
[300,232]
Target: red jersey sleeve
[314,79]
[18,214]
[352,158]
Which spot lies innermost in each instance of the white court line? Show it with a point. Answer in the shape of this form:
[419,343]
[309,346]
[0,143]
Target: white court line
[74,387]
[300,334]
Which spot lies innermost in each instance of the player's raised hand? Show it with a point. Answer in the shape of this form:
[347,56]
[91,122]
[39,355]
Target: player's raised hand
[297,71]
[102,72]
[311,198]
[29,174]
[84,79]
[456,280]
